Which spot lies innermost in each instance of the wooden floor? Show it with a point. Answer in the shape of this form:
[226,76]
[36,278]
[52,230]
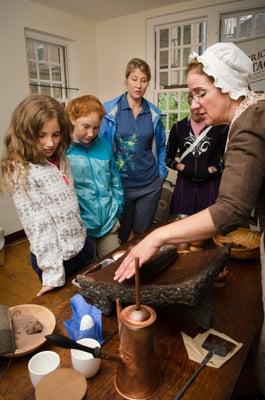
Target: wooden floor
[18,282]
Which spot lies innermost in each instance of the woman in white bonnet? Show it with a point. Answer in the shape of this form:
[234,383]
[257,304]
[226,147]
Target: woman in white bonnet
[219,83]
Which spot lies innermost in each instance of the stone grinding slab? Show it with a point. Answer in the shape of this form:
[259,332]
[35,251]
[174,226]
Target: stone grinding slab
[187,279]
[7,339]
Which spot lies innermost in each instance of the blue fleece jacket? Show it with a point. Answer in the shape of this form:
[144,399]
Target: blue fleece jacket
[97,184]
[109,126]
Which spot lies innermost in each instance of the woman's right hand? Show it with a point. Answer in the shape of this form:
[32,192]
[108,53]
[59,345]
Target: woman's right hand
[144,250]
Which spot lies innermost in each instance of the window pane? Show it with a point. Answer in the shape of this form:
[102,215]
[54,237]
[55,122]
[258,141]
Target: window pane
[42,52]
[162,101]
[44,71]
[56,73]
[163,79]
[259,24]
[179,36]
[33,89]
[164,38]
[184,76]
[163,62]
[173,101]
[183,114]
[32,70]
[175,77]
[230,27]
[58,93]
[202,32]
[175,58]
[187,34]
[175,36]
[245,23]
[172,119]
[184,101]
[31,50]
[186,53]
[45,90]
[55,54]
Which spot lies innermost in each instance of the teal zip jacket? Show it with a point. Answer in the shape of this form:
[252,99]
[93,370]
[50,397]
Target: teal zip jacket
[109,126]
[97,184]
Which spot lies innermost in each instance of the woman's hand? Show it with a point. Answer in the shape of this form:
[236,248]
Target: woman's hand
[180,166]
[198,226]
[45,289]
[212,169]
[145,249]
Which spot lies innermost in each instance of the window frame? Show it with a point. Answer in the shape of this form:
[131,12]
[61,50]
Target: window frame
[178,91]
[237,15]
[66,51]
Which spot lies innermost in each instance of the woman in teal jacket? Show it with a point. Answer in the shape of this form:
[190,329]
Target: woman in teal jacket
[96,178]
[134,128]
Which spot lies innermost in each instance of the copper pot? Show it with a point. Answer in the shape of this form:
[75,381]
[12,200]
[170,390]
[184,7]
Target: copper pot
[137,376]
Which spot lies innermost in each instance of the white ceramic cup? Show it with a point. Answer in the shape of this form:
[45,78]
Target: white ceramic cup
[42,364]
[84,362]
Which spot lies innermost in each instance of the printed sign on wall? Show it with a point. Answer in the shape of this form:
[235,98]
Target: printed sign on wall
[255,49]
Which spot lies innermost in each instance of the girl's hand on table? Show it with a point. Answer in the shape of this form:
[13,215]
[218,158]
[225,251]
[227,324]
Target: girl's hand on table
[45,289]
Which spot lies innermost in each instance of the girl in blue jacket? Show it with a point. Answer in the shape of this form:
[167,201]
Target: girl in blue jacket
[134,128]
[96,179]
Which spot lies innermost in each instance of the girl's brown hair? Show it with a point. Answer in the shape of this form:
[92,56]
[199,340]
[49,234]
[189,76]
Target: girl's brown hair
[83,106]
[21,145]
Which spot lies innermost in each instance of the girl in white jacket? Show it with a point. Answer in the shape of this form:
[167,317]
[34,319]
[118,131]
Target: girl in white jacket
[34,170]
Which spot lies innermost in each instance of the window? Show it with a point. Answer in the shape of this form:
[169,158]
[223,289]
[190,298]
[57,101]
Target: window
[47,69]
[243,25]
[47,66]
[174,106]
[174,43]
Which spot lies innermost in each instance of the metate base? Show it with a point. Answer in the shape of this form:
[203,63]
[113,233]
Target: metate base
[188,280]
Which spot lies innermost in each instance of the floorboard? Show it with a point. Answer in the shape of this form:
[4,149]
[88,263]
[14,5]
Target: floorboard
[18,282]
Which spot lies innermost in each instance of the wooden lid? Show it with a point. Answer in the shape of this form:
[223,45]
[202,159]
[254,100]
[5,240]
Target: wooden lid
[63,383]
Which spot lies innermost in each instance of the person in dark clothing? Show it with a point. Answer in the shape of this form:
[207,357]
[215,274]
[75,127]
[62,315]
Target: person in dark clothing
[200,150]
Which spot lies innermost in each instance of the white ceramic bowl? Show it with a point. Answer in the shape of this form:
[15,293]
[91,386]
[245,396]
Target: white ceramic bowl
[84,362]
[41,364]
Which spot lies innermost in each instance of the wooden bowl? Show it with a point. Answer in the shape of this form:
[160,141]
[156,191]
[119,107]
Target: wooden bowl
[245,243]
[46,318]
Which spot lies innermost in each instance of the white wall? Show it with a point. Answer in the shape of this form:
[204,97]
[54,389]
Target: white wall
[15,16]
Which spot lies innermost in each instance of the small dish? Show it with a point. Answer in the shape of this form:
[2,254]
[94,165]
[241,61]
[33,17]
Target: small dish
[36,340]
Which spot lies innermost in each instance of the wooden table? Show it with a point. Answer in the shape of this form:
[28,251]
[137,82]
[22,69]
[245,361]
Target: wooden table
[237,312]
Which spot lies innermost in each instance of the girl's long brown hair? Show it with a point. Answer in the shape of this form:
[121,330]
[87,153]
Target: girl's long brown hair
[21,141]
